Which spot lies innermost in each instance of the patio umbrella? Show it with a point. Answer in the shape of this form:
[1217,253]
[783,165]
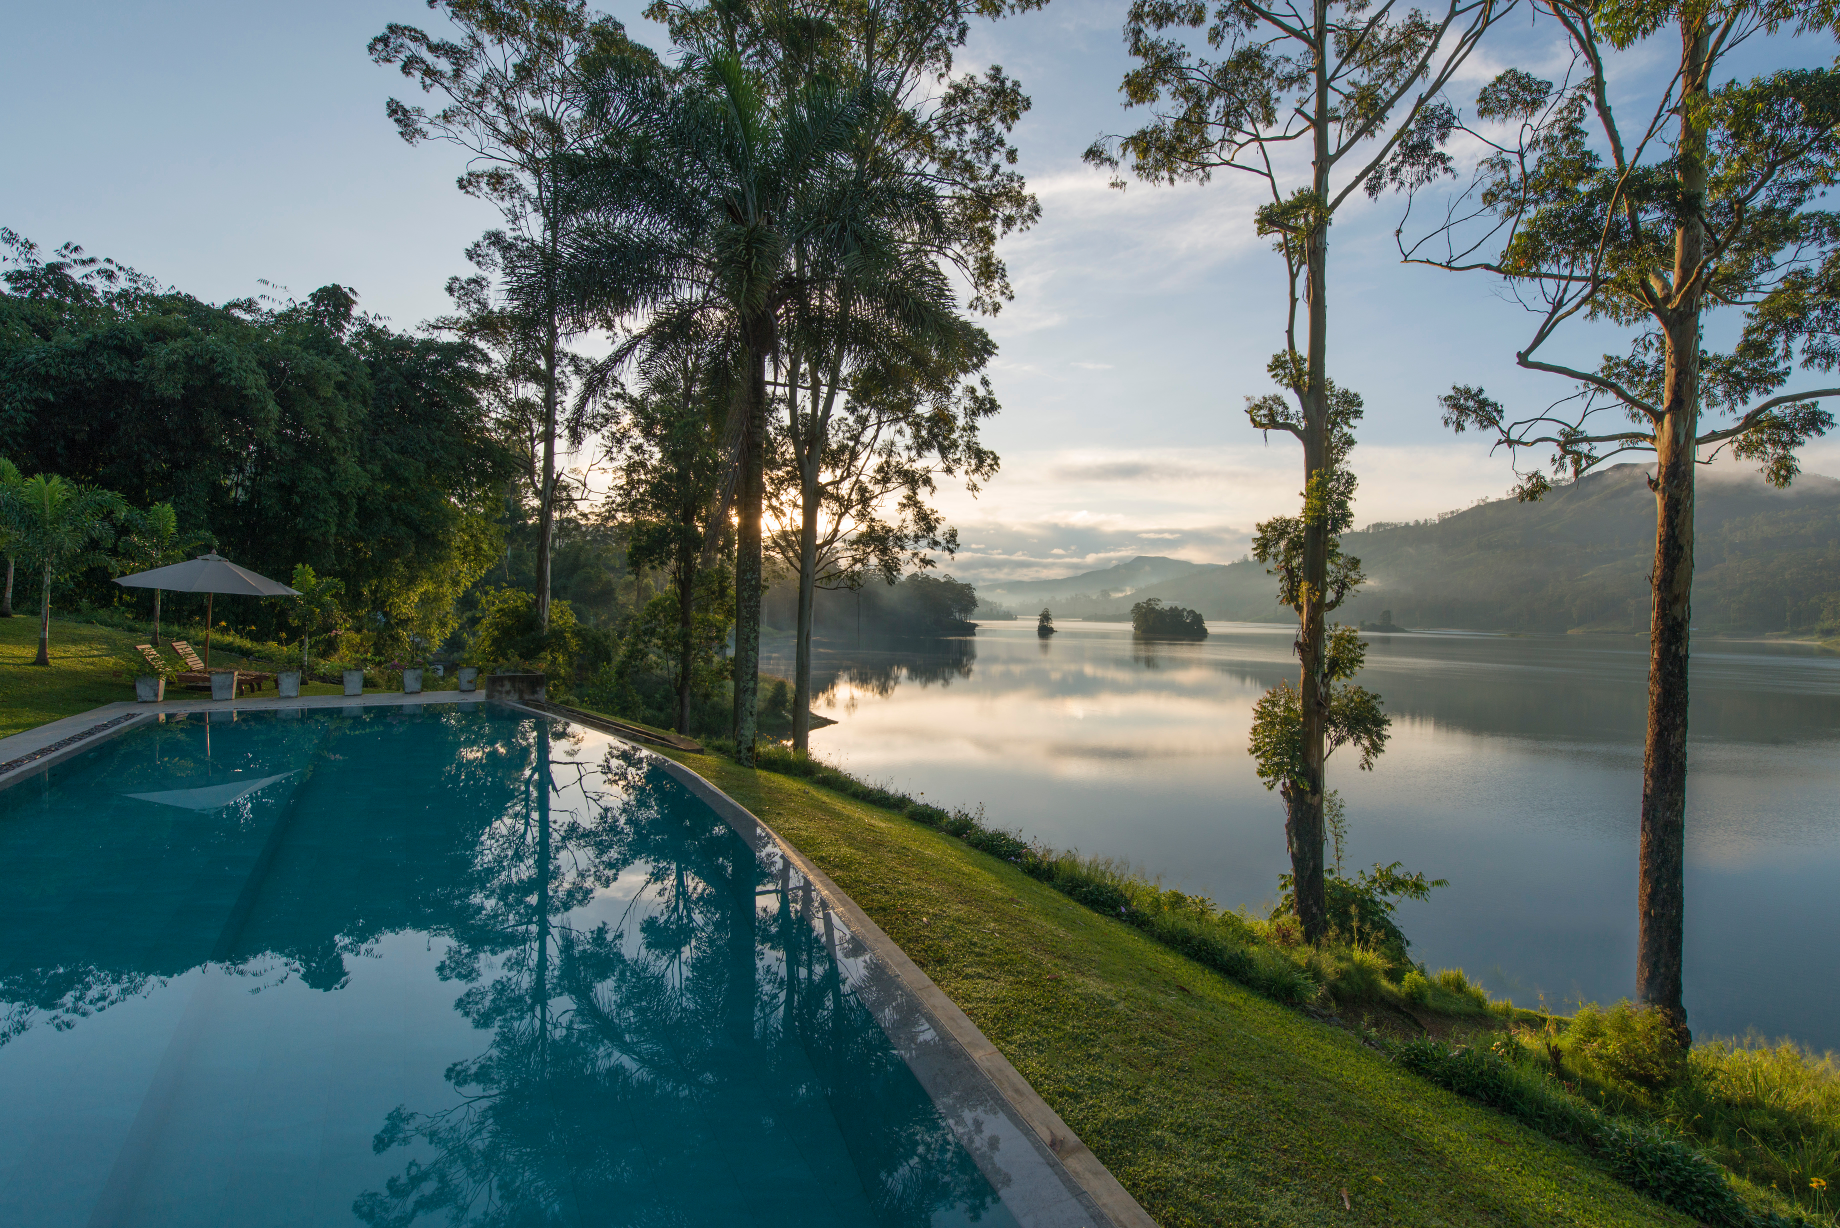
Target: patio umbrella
[209,574]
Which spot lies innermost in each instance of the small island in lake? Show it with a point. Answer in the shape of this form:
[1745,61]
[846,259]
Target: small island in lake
[1044,626]
[1152,620]
[1385,625]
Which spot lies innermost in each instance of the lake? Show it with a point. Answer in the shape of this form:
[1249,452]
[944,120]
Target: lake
[1514,771]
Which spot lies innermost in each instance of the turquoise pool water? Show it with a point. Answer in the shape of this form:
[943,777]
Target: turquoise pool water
[447,965]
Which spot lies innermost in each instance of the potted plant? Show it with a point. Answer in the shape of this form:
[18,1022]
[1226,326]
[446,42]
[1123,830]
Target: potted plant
[467,673]
[411,671]
[287,681]
[354,678]
[150,679]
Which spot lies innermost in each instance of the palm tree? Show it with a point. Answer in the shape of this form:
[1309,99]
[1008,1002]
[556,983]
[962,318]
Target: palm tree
[57,525]
[699,221]
[151,539]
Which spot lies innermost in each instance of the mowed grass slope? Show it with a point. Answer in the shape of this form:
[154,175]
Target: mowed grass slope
[83,673]
[1213,1105]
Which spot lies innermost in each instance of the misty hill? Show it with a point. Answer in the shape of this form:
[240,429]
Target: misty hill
[1124,579]
[1768,560]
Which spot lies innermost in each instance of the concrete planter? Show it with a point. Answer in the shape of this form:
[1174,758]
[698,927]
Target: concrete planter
[149,689]
[354,682]
[469,677]
[223,686]
[287,682]
[515,687]
[412,682]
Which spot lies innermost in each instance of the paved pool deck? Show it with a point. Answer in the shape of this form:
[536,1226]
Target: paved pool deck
[1046,1176]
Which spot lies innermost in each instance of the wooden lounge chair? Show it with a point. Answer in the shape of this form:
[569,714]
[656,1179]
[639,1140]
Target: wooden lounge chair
[246,679]
[196,680]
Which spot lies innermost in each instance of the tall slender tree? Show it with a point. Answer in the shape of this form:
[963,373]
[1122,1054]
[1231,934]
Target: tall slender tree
[1358,87]
[516,84]
[672,465]
[1705,201]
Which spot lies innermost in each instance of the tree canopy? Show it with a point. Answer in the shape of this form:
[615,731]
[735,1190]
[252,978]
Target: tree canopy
[291,432]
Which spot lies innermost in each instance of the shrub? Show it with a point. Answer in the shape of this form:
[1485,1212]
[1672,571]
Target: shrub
[1663,1167]
[1633,1049]
[507,632]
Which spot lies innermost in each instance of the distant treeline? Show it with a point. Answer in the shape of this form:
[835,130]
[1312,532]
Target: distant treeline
[920,604]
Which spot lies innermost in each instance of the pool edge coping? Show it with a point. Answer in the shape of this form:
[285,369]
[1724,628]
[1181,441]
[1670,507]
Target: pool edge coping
[1088,1174]
[81,732]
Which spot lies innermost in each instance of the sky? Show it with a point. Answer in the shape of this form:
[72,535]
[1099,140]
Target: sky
[220,146]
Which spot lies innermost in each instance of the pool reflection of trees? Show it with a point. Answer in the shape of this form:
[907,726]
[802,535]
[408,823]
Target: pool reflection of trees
[620,1045]
[720,1010]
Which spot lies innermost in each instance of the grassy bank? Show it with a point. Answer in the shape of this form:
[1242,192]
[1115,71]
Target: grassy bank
[1213,1104]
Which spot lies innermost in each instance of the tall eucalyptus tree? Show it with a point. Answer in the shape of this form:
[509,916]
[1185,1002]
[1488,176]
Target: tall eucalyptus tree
[517,85]
[671,468]
[1357,87]
[1706,200]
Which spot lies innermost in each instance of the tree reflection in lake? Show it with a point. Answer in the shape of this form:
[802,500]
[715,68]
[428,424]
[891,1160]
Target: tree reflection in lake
[876,668]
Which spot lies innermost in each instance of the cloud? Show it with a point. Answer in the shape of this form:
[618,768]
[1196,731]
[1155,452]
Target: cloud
[1095,366]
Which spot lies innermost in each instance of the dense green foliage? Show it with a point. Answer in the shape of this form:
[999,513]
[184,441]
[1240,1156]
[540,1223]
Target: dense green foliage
[304,432]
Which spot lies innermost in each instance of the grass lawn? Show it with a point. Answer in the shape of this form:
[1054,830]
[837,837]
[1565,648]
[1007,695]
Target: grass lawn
[1213,1105]
[83,672]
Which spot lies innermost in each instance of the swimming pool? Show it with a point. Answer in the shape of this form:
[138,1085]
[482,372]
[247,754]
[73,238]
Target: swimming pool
[453,964]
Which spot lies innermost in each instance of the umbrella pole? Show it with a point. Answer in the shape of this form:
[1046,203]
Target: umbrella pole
[207,631]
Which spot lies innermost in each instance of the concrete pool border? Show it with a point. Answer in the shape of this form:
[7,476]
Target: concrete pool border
[963,1073]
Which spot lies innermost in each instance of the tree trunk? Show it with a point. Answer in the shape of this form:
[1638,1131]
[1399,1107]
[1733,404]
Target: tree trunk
[686,627]
[747,547]
[808,586]
[1661,886]
[6,602]
[1303,823]
[156,618]
[546,514]
[44,621]
[1661,881]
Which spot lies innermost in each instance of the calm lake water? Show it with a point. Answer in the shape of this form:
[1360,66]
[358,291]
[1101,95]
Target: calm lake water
[1514,771]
